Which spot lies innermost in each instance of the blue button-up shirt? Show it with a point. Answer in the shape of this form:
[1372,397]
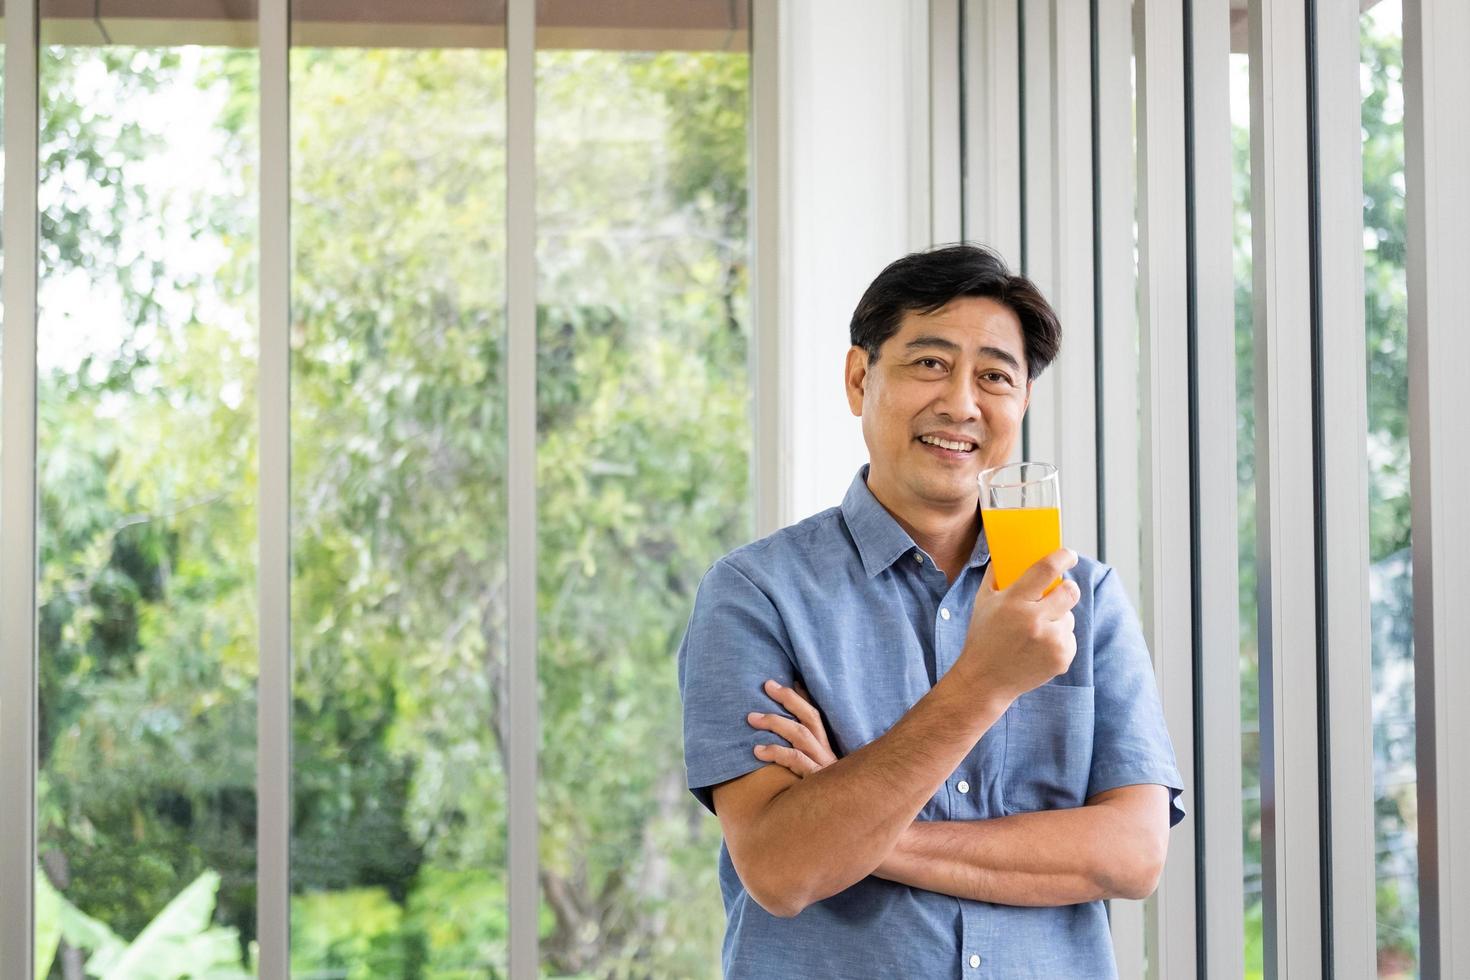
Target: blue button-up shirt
[847,604]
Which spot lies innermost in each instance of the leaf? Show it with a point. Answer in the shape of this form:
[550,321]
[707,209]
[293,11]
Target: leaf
[179,941]
[57,918]
[48,924]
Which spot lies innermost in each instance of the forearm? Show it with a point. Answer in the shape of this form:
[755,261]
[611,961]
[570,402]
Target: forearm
[832,829]
[1049,858]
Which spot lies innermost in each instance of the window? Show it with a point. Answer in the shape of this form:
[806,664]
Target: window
[642,470]
[398,459]
[146,467]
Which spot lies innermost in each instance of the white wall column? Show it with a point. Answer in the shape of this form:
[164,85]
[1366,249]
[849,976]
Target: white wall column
[854,196]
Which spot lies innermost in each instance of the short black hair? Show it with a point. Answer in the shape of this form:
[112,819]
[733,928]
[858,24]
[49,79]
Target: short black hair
[924,282]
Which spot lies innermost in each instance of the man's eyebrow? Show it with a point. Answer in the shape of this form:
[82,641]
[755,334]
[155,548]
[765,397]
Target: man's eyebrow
[944,343]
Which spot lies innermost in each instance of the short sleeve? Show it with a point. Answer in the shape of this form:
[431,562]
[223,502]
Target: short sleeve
[1130,740]
[735,643]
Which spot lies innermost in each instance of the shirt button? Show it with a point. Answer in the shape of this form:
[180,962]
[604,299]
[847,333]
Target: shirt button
[974,961]
[918,558]
[962,786]
[944,614]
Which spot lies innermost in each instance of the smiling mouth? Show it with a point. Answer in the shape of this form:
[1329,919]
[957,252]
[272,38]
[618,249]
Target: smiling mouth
[949,448]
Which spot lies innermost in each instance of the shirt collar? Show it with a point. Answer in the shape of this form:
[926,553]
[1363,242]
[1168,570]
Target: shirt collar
[880,539]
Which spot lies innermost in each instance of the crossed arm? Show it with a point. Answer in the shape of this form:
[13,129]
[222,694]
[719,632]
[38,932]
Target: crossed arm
[1113,847]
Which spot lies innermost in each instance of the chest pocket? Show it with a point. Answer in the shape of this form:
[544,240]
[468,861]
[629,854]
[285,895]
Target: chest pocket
[1048,749]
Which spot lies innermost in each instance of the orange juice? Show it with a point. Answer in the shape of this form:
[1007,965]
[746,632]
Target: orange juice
[1018,537]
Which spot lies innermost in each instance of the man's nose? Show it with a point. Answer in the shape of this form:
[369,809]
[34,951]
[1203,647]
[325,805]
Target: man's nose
[960,399]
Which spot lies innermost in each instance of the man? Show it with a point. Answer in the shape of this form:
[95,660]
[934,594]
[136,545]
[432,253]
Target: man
[967,772]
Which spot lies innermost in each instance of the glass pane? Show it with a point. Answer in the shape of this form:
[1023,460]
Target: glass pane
[643,456]
[398,494]
[1391,572]
[147,474]
[1245,448]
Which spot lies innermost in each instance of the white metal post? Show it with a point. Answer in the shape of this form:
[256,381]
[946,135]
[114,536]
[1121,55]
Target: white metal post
[1222,929]
[273,687]
[1117,291]
[769,369]
[1344,499]
[1070,382]
[18,493]
[1285,509]
[945,122]
[1037,201]
[992,106]
[1437,145]
[1167,567]
[524,722]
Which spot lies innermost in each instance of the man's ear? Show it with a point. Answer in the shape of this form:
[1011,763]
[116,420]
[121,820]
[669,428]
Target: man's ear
[856,375]
[1027,404]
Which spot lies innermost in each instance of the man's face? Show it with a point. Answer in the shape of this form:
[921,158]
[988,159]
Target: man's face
[958,375]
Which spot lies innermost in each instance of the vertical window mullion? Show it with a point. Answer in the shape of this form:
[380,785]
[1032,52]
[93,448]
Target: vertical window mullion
[1286,511]
[770,368]
[946,126]
[992,125]
[273,706]
[1038,433]
[1117,356]
[1166,510]
[1437,156]
[1071,380]
[1343,431]
[1221,927]
[524,709]
[18,493]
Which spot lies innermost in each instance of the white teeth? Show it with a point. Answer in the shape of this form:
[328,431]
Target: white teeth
[962,447]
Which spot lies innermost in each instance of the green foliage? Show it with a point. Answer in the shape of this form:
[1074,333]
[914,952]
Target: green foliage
[355,933]
[179,943]
[1255,944]
[148,487]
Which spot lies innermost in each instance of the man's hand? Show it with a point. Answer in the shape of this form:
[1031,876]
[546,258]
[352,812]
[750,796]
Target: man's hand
[1021,637]
[809,750]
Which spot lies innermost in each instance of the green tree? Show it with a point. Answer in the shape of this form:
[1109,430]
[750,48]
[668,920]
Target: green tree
[148,500]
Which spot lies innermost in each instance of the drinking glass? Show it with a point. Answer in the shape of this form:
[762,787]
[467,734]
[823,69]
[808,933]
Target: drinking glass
[1020,507]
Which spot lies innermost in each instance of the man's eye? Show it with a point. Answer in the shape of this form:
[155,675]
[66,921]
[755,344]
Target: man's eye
[929,362]
[997,377]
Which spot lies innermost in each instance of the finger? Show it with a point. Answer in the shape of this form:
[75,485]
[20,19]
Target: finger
[788,758]
[987,581]
[799,704]
[1034,581]
[1061,599]
[794,732]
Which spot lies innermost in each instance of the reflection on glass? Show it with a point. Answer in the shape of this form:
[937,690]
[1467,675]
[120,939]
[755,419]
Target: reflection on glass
[641,213]
[1245,448]
[1390,575]
[147,471]
[398,504]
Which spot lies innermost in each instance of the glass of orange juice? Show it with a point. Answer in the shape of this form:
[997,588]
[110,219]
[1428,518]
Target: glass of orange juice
[1020,507]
